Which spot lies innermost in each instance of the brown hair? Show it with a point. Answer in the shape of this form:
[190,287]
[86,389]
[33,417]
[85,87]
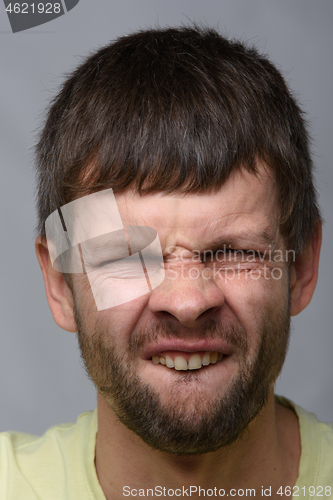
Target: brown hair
[176,110]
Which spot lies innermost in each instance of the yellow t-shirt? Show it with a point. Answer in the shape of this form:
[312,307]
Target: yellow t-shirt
[56,466]
[60,464]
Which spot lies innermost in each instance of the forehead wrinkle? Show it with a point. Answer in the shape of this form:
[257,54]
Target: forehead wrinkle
[222,233]
[259,223]
[262,238]
[133,220]
[206,238]
[198,222]
[133,217]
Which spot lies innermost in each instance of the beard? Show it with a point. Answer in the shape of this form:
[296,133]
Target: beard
[194,424]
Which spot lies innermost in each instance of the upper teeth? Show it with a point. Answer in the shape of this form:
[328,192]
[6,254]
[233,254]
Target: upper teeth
[194,363]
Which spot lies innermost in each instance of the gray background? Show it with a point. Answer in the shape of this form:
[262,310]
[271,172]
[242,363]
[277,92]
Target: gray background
[42,379]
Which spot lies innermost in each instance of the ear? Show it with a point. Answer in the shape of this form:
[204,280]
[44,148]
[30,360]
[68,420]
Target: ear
[58,294]
[304,274]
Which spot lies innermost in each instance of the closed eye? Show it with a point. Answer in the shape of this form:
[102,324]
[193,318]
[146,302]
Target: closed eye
[231,254]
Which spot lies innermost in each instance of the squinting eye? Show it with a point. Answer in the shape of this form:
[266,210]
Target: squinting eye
[219,254]
[230,254]
[245,254]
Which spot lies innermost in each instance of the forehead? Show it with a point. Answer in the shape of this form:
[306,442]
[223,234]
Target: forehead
[245,205]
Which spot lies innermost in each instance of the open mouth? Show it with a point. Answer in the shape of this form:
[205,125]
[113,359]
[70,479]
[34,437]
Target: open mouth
[186,361]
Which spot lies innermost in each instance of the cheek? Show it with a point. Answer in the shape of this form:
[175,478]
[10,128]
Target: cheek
[82,292]
[112,316]
[117,324]
[250,296]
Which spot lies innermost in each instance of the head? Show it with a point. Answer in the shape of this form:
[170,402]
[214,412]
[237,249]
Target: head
[200,139]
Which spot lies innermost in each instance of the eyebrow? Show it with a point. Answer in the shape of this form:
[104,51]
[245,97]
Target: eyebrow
[244,238]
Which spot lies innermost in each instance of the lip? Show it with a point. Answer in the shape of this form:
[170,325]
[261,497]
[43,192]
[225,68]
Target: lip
[180,345]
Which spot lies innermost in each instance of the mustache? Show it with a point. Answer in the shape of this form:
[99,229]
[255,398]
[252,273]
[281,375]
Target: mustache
[233,335]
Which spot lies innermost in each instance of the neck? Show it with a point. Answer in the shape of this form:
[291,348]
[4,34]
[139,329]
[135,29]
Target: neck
[268,454]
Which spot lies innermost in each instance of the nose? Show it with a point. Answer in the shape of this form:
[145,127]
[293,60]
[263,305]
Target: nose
[186,298]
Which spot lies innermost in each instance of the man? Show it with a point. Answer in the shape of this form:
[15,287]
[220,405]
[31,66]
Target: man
[179,231]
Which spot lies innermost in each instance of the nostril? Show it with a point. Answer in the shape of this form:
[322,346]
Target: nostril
[209,312]
[189,317]
[186,300]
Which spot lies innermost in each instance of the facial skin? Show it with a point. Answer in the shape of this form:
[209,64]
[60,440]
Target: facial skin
[244,315]
[191,419]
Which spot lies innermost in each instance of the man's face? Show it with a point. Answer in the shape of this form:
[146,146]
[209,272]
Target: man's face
[212,300]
